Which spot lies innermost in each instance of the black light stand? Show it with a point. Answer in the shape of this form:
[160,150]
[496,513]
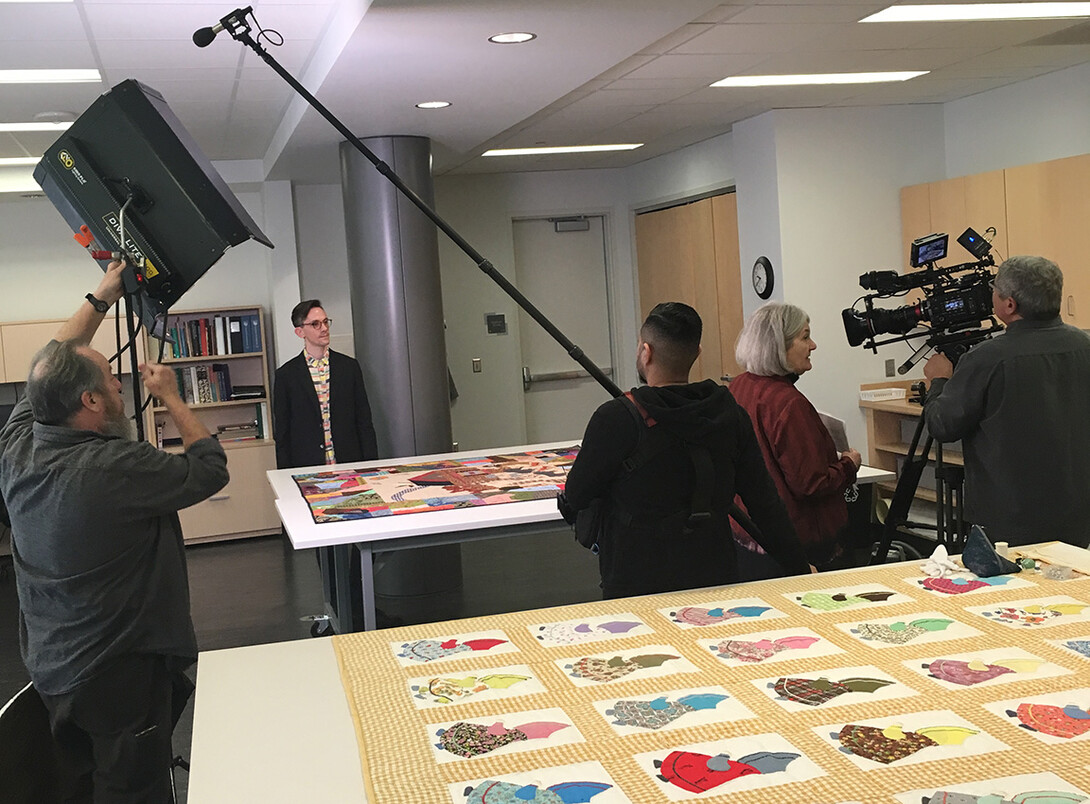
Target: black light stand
[949,490]
[131,284]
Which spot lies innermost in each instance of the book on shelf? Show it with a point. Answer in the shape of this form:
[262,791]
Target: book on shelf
[221,374]
[204,385]
[221,340]
[264,426]
[245,431]
[216,335]
[248,392]
[234,333]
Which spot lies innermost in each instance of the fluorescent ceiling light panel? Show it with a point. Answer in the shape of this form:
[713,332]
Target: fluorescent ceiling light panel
[15,127]
[48,76]
[20,161]
[815,78]
[960,12]
[433,105]
[562,149]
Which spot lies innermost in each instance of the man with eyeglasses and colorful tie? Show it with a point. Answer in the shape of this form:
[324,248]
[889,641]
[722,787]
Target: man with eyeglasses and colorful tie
[320,409]
[321,414]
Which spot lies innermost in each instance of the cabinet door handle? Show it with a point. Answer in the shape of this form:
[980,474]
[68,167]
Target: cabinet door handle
[219,498]
[1071,304]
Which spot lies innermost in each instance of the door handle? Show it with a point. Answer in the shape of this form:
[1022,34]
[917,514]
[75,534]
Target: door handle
[529,378]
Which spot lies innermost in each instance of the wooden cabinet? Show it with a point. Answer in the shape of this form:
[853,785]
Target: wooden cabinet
[221,365]
[21,340]
[952,206]
[244,507]
[1048,208]
[891,425]
[1038,209]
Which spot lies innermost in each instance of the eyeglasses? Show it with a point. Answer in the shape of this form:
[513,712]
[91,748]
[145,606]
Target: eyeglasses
[317,325]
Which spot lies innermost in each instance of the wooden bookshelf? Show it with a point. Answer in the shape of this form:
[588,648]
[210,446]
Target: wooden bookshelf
[245,506]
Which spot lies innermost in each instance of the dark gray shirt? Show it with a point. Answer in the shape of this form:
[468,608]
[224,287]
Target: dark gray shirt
[1021,404]
[99,559]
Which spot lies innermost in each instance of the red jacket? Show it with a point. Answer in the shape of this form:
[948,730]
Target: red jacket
[809,473]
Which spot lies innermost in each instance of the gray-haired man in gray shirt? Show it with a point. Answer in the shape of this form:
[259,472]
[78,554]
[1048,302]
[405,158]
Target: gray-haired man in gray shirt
[105,626]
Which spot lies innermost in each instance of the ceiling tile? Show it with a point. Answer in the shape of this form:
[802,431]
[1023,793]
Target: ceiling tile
[27,54]
[40,22]
[705,67]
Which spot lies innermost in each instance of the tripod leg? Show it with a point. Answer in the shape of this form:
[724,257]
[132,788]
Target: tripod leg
[905,492]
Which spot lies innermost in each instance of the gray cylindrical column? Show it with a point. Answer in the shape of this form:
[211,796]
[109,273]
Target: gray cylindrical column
[397,322]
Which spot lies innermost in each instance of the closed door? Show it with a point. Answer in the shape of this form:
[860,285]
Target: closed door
[561,268]
[689,253]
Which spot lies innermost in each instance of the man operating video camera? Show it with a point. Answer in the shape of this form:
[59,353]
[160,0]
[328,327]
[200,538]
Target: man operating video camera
[1019,403]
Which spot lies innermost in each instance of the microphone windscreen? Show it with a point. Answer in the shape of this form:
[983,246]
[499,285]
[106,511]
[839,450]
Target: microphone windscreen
[203,37]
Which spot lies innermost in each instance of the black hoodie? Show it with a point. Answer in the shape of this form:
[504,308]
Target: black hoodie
[645,547]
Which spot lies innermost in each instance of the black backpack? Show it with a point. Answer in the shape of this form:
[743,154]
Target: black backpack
[588,523]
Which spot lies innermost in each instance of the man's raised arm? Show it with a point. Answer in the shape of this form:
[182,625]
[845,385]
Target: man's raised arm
[83,324]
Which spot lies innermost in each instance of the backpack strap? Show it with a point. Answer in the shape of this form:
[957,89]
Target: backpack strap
[704,471]
[700,509]
[643,452]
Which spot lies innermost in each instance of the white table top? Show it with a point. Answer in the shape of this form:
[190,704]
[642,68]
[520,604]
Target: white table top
[305,533]
[271,724]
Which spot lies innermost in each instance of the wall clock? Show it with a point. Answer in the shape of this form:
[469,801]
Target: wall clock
[764,277]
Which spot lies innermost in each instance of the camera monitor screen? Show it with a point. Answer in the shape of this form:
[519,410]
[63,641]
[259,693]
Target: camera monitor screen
[182,216]
[931,248]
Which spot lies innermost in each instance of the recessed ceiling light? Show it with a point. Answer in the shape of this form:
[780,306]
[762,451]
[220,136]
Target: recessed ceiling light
[980,11]
[433,105]
[34,126]
[562,149]
[514,38]
[48,76]
[19,161]
[815,78]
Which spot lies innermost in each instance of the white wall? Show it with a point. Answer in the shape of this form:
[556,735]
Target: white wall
[1033,121]
[758,205]
[44,272]
[839,174]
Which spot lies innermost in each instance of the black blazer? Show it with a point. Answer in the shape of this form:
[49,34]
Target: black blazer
[297,417]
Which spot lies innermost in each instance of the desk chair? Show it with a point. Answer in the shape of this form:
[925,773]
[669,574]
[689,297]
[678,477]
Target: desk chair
[27,764]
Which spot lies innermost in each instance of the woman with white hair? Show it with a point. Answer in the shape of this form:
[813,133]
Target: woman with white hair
[774,347]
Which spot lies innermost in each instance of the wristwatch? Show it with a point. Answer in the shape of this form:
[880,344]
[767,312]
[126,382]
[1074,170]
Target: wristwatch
[98,304]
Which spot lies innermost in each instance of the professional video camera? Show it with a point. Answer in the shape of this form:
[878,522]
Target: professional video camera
[954,314]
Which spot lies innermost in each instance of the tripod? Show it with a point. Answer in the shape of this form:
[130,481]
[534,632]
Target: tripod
[950,527]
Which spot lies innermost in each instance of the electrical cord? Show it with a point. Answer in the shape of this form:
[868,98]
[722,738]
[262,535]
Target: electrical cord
[270,35]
